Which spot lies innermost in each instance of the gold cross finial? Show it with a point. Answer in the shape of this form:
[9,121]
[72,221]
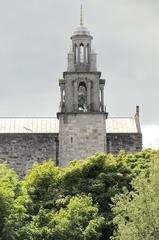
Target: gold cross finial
[81,19]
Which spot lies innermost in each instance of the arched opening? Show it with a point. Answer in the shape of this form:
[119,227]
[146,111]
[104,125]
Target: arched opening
[82,97]
[81,53]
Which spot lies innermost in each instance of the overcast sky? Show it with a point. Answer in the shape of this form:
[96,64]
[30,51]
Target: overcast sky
[35,40]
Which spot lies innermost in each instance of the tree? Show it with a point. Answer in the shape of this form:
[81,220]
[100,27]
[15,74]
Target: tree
[100,176]
[103,176]
[9,190]
[55,203]
[137,212]
[42,185]
[80,220]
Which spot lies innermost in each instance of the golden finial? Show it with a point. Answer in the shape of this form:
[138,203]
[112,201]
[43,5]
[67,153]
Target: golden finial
[81,19]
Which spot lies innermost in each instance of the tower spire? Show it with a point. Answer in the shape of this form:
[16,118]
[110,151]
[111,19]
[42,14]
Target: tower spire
[81,17]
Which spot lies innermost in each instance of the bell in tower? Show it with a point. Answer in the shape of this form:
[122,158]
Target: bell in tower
[82,116]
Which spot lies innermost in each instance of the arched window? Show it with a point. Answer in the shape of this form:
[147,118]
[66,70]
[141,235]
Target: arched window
[82,97]
[81,53]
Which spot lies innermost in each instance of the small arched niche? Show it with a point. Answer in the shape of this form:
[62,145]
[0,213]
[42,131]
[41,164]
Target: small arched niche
[82,97]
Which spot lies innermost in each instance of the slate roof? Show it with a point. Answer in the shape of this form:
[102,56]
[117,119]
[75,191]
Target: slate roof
[51,125]
[29,125]
[121,125]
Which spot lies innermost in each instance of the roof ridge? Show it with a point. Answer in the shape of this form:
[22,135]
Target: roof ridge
[120,118]
[26,117]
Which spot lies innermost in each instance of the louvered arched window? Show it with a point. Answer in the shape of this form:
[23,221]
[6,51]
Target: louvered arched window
[82,96]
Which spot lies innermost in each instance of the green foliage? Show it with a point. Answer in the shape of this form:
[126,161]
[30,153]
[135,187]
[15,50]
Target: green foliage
[79,220]
[9,189]
[136,212]
[69,203]
[42,185]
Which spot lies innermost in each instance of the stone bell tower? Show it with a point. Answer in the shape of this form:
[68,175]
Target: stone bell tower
[82,116]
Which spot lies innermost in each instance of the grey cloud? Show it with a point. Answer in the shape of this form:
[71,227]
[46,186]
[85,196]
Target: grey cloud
[35,39]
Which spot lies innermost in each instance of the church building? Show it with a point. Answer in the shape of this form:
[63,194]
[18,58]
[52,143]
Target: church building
[82,126]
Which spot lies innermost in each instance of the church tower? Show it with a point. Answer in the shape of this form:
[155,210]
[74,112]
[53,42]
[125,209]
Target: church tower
[82,116]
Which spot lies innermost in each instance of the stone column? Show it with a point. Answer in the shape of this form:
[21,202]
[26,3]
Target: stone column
[89,96]
[74,52]
[102,99]
[75,96]
[61,90]
[85,55]
[78,54]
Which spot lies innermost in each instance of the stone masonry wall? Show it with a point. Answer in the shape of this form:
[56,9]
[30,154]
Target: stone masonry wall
[21,150]
[81,135]
[130,142]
